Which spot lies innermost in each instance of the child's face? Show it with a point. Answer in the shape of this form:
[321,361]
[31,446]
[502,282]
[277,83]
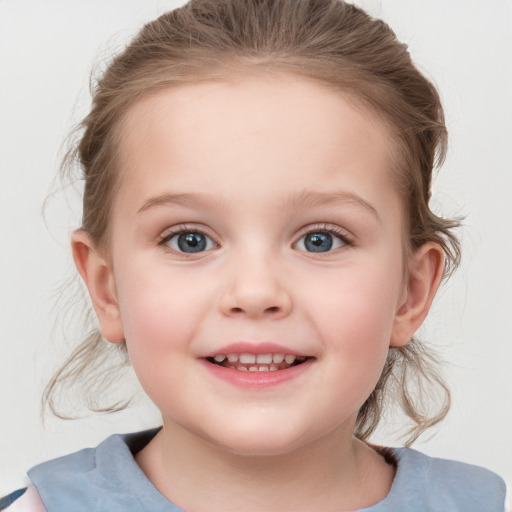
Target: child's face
[256,217]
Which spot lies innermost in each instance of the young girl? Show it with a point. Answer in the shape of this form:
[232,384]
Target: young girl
[257,238]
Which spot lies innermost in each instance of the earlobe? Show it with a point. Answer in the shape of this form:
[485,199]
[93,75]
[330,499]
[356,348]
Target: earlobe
[423,280]
[97,275]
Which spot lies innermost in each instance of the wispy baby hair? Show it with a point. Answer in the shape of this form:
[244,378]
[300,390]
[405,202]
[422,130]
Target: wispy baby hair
[328,41]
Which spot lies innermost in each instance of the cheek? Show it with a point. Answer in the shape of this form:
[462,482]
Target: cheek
[361,308]
[357,355]
[362,340]
[157,319]
[355,322]
[158,329]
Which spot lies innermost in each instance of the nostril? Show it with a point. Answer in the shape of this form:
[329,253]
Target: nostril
[255,304]
[273,309]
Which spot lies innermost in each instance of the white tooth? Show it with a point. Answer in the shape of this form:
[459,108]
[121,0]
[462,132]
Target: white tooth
[290,359]
[242,368]
[247,358]
[278,358]
[232,358]
[219,358]
[264,369]
[253,368]
[273,367]
[264,358]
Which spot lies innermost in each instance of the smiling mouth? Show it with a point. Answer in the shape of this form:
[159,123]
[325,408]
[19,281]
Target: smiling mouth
[257,362]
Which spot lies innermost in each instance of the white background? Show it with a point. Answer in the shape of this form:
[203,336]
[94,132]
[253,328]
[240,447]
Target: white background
[47,50]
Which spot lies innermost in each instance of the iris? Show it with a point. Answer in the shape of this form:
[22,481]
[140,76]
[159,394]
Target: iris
[192,242]
[318,242]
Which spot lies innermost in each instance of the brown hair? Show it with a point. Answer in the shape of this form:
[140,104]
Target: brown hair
[328,41]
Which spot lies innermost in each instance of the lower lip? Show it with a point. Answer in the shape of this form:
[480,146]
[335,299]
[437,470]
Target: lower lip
[247,379]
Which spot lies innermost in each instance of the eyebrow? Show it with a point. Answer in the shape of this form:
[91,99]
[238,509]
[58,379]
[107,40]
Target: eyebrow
[302,199]
[177,199]
[309,199]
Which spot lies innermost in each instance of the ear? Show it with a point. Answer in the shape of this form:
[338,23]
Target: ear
[424,276]
[97,274]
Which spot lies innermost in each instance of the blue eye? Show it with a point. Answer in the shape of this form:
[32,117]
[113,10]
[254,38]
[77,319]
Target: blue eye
[190,242]
[320,241]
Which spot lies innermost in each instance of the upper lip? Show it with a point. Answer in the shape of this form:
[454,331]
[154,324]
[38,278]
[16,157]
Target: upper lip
[245,347]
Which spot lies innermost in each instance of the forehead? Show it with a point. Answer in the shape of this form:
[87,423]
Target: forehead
[242,133]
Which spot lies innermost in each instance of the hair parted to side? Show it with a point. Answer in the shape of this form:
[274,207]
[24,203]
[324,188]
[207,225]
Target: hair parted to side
[329,41]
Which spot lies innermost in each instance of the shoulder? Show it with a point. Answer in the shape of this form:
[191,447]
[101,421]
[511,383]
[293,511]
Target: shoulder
[440,484]
[106,477]
[116,450]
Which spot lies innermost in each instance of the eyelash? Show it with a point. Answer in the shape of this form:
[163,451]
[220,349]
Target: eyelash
[327,228]
[319,228]
[178,230]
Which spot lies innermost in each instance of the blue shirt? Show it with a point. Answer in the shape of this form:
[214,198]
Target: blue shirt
[107,479]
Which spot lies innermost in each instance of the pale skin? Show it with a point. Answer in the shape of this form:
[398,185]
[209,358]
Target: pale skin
[257,166]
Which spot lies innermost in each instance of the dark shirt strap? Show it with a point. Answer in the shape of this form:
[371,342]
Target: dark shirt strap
[11,498]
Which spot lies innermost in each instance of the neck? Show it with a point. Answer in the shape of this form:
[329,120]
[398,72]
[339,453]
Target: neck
[337,472]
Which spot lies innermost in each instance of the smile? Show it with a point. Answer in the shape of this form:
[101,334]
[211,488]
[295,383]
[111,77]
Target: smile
[270,362]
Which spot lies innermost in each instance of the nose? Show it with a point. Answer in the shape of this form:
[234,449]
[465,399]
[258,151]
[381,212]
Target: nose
[255,289]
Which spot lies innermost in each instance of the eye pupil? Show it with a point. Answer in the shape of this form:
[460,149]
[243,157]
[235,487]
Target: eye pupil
[192,242]
[318,242]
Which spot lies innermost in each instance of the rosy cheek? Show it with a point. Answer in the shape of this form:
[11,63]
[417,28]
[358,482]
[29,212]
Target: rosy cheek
[358,319]
[148,325]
